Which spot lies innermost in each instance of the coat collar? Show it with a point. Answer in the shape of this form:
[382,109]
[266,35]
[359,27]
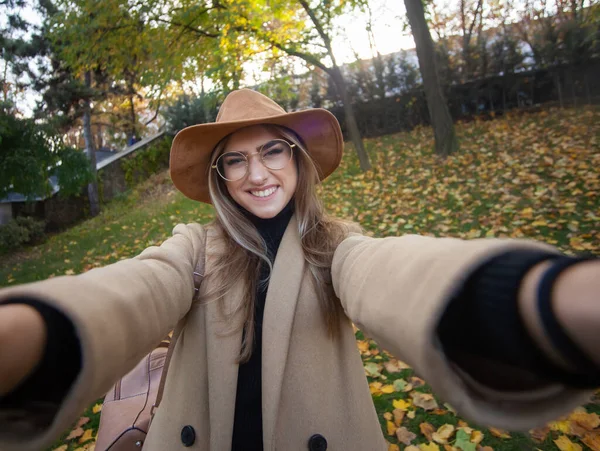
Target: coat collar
[280,306]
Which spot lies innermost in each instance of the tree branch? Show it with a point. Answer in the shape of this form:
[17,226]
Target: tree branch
[319,28]
[188,27]
[305,56]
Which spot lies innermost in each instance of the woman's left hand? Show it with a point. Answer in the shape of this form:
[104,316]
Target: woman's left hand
[576,303]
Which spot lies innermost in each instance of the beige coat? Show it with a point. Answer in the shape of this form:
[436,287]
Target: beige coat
[395,289]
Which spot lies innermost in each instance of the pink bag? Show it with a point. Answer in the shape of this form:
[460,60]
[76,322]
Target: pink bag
[129,406]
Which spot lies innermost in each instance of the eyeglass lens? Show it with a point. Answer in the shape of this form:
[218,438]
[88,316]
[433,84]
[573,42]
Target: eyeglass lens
[275,155]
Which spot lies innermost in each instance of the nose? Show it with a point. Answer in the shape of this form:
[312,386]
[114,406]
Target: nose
[257,172]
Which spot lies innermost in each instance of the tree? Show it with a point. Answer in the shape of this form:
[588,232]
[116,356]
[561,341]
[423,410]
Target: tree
[16,52]
[443,127]
[299,29]
[31,153]
[470,15]
[109,52]
[31,149]
[90,149]
[190,110]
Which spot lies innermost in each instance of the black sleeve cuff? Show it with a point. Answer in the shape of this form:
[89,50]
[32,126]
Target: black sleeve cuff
[483,320]
[49,383]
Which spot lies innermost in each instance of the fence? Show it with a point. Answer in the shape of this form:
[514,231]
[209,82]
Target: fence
[564,85]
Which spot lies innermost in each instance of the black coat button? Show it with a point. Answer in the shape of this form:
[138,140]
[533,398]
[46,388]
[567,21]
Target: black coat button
[188,436]
[317,443]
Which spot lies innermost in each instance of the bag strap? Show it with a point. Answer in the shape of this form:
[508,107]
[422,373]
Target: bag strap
[198,275]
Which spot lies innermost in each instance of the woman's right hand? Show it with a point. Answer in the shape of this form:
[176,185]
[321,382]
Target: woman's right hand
[22,343]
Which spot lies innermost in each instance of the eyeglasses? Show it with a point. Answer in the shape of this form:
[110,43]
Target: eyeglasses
[275,155]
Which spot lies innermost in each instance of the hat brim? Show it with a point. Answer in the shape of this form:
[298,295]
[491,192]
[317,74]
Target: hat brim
[190,152]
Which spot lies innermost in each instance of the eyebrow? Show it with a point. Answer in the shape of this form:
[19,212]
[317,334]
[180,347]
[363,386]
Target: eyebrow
[257,148]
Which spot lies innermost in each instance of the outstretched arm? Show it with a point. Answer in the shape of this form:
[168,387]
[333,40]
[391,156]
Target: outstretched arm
[398,289]
[119,313]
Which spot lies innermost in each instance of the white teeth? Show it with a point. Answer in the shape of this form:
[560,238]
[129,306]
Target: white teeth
[264,193]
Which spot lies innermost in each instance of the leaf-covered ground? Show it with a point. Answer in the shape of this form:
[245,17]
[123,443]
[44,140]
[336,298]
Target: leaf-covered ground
[531,175]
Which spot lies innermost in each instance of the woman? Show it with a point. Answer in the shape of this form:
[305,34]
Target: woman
[267,357]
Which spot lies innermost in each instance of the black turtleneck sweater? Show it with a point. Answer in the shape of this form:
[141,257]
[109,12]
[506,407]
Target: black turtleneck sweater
[247,425]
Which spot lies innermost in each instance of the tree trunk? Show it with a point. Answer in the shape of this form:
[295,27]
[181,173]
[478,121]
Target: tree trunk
[572,83]
[558,88]
[132,119]
[340,84]
[586,83]
[443,127]
[90,150]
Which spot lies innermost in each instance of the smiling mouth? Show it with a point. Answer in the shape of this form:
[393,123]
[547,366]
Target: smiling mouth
[264,193]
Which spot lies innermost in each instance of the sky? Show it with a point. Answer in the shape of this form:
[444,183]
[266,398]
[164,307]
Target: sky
[388,21]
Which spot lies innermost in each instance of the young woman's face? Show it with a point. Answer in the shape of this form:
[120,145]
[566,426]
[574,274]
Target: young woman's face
[263,192]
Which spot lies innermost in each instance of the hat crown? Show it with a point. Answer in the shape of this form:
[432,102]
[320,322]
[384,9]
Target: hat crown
[247,104]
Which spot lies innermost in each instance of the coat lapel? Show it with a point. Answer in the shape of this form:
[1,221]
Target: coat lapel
[280,307]
[222,351]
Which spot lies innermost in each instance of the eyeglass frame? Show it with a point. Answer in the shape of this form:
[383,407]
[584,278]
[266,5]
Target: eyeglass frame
[247,158]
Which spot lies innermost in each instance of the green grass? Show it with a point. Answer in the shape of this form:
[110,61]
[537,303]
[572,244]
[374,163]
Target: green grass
[532,175]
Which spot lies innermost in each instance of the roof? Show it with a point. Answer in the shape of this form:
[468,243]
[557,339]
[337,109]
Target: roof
[18,197]
[138,145]
[104,158]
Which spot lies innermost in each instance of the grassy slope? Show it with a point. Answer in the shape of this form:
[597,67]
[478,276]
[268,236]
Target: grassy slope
[534,175]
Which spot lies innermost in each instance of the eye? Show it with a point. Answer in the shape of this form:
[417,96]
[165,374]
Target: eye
[272,149]
[233,159]
[276,150]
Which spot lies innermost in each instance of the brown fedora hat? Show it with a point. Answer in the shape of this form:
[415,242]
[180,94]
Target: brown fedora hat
[190,153]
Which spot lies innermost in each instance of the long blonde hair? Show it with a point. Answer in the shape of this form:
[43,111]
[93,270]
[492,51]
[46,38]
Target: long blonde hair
[244,248]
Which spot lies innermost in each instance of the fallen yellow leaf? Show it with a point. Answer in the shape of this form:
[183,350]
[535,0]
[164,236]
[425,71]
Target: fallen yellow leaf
[561,426]
[443,433]
[375,387]
[97,408]
[589,421]
[391,428]
[363,345]
[429,447]
[477,437]
[398,416]
[527,212]
[427,430]
[87,435]
[500,433]
[88,447]
[592,441]
[564,444]
[401,404]
[393,447]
